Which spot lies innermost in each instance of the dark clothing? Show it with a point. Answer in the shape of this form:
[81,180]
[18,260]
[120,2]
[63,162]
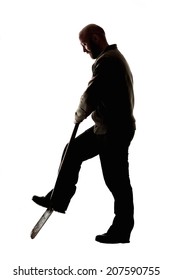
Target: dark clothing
[109,95]
[113,152]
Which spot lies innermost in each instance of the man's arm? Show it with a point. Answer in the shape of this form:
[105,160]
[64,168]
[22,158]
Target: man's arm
[86,104]
[90,98]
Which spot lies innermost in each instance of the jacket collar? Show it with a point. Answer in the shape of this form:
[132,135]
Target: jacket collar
[108,48]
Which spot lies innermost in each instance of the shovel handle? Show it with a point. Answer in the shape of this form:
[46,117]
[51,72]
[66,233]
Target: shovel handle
[67,149]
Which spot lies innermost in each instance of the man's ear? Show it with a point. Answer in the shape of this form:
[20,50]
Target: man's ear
[95,37]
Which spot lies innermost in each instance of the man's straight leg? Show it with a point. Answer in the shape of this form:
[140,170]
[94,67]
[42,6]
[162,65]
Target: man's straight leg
[115,166]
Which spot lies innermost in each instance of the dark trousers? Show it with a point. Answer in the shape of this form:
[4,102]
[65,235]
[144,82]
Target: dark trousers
[112,149]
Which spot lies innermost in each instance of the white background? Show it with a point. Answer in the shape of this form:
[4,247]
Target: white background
[43,73]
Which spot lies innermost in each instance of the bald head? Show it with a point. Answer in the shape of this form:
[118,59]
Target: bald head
[90,29]
[93,39]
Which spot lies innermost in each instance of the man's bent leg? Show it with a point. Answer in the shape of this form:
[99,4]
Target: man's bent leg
[84,147]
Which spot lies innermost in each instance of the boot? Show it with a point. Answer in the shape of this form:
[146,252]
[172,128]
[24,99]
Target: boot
[119,232]
[44,201]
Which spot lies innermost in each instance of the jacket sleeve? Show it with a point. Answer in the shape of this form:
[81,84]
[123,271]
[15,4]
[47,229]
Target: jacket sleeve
[90,98]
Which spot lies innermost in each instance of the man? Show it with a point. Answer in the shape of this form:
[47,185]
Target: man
[109,97]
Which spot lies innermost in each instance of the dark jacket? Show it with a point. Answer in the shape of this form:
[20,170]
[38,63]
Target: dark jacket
[109,95]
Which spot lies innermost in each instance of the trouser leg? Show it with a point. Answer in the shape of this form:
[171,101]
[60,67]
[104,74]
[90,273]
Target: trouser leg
[84,147]
[115,166]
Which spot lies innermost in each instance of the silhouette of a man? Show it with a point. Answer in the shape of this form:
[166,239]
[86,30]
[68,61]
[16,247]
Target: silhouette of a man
[109,98]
